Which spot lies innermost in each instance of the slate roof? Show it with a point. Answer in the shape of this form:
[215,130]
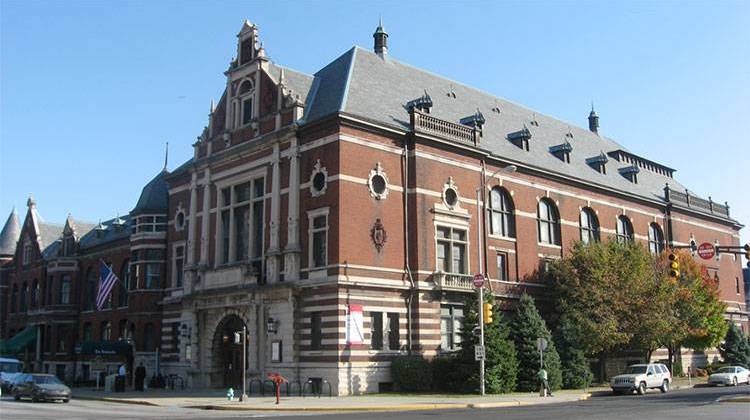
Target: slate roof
[299,83]
[363,84]
[111,232]
[154,196]
[9,235]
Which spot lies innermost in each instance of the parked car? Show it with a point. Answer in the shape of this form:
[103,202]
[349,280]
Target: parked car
[642,377]
[7,379]
[39,387]
[730,375]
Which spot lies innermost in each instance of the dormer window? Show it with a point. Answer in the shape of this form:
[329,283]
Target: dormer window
[562,151]
[423,103]
[598,163]
[520,138]
[246,101]
[477,120]
[630,173]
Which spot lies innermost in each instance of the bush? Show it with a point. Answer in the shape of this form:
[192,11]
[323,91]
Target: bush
[411,373]
[526,327]
[449,374]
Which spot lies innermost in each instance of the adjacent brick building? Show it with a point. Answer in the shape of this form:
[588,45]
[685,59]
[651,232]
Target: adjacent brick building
[338,219]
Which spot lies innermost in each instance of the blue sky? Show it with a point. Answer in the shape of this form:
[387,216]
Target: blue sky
[91,90]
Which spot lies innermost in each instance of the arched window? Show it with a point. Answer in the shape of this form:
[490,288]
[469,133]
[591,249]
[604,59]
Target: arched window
[34,294]
[14,299]
[501,213]
[655,239]
[64,290]
[246,102]
[90,290]
[149,338]
[122,296]
[589,226]
[24,293]
[624,229]
[548,222]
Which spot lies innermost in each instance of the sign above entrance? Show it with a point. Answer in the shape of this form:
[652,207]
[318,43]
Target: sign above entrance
[706,251]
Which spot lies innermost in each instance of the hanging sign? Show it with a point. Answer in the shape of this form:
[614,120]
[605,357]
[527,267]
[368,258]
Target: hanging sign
[478,281]
[706,251]
[354,325]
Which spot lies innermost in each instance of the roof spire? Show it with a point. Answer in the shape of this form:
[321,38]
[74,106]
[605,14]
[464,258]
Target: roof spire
[593,120]
[166,155]
[381,39]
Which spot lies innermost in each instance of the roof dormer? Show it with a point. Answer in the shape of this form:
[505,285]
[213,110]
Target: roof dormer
[562,151]
[520,138]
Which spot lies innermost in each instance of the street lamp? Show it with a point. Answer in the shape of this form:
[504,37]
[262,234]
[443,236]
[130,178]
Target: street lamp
[237,335]
[480,251]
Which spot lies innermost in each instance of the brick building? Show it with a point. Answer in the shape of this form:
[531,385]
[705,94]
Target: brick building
[338,218]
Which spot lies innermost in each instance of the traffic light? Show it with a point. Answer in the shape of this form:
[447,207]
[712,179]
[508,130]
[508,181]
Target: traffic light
[487,310]
[747,252]
[674,265]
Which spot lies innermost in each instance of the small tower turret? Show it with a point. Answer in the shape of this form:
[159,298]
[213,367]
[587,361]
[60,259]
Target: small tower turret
[381,40]
[593,120]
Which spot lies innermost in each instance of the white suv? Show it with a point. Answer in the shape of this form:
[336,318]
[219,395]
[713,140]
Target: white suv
[642,377]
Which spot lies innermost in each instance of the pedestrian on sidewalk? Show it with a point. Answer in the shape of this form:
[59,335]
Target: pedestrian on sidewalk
[140,377]
[543,383]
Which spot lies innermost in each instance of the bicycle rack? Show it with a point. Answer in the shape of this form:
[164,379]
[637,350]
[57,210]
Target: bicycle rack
[290,388]
[330,390]
[263,388]
[260,386]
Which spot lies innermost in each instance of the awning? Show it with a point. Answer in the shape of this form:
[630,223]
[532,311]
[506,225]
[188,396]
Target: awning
[104,348]
[18,342]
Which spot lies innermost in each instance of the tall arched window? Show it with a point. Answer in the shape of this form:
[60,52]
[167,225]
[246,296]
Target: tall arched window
[24,293]
[589,226]
[90,290]
[246,101]
[122,296]
[548,222]
[105,331]
[14,299]
[655,239]
[501,213]
[624,229]
[34,294]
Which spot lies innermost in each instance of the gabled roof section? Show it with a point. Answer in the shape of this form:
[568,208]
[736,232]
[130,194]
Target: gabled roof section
[154,196]
[9,235]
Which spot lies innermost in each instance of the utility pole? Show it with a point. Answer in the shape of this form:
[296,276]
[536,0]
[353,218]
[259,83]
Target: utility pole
[243,396]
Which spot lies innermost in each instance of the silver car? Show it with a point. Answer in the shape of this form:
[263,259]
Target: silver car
[41,387]
[730,375]
[642,377]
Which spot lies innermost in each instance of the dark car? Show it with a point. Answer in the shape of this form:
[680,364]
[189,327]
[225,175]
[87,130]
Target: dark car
[40,387]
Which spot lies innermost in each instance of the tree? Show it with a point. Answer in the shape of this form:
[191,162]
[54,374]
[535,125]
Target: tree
[573,363]
[696,314]
[527,326]
[500,356]
[736,347]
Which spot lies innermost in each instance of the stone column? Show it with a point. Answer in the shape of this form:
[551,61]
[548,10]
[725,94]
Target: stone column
[190,257]
[272,262]
[293,248]
[205,229]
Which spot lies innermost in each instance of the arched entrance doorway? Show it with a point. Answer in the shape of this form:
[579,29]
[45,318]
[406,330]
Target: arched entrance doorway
[227,352]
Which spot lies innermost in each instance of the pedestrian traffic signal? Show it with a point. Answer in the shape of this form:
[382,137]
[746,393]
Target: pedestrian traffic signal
[487,309]
[674,265]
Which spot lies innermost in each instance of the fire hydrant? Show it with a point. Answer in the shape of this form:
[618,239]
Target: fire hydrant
[230,394]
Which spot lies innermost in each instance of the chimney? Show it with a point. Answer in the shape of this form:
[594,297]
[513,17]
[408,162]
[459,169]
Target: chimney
[381,40]
[593,120]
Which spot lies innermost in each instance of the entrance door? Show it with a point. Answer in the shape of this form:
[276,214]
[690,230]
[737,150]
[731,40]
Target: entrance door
[230,352]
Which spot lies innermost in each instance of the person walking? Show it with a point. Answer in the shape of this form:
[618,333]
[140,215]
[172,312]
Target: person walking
[543,383]
[140,377]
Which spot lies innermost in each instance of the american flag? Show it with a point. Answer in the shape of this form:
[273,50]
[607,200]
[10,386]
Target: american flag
[106,283]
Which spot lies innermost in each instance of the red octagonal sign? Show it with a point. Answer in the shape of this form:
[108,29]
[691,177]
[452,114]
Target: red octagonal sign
[706,251]
[478,280]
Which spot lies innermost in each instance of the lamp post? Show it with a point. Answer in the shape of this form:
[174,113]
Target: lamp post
[243,396]
[480,251]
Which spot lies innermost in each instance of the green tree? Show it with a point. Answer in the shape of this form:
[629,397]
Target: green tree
[736,349]
[526,327]
[500,355]
[573,363]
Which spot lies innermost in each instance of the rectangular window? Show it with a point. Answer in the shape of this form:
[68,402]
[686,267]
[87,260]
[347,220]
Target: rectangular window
[241,222]
[393,332]
[319,239]
[276,355]
[153,274]
[502,266]
[450,327]
[49,290]
[179,263]
[451,250]
[65,290]
[316,333]
[87,334]
[62,334]
[247,110]
[376,330]
[225,236]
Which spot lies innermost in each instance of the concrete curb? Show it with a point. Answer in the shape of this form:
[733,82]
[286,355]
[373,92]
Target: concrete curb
[117,400]
[734,399]
[400,407]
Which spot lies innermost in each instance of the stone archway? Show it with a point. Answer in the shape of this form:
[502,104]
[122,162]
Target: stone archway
[227,355]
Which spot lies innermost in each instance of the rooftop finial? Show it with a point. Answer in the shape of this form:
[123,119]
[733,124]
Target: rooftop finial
[30,202]
[381,39]
[593,120]
[166,156]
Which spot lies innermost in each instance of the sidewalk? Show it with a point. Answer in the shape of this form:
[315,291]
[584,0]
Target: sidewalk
[213,399]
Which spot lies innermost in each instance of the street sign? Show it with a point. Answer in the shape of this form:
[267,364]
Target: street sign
[706,251]
[478,281]
[478,353]
[541,344]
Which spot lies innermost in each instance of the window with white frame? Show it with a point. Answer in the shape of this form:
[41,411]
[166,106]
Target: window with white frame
[502,266]
[451,250]
[450,327]
[589,226]
[624,229]
[241,212]
[501,213]
[318,237]
[376,330]
[655,239]
[178,264]
[548,222]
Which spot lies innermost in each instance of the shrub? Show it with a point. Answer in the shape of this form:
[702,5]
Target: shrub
[526,327]
[411,373]
[574,366]
[449,374]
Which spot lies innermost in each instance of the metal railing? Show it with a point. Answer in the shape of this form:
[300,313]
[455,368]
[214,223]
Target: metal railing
[427,124]
[453,281]
[695,202]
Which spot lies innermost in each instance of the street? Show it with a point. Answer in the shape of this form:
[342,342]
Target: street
[697,403]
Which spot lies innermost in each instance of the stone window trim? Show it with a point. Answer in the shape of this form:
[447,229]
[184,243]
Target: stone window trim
[451,316]
[180,218]
[589,226]
[377,182]
[548,223]
[244,109]
[501,213]
[311,230]
[450,195]
[655,238]
[318,171]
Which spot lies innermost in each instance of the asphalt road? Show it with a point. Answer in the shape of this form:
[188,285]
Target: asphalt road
[698,403]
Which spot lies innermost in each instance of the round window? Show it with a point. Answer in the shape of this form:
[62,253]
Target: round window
[451,198]
[378,184]
[319,181]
